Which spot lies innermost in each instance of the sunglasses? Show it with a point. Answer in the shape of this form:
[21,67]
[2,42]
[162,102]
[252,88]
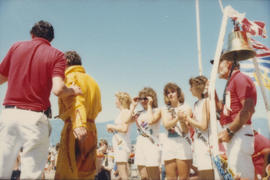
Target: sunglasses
[140,99]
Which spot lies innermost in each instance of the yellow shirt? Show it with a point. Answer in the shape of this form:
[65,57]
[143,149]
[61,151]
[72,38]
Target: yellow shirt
[83,107]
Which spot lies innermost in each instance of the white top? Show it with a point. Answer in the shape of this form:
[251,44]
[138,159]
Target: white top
[119,135]
[175,131]
[198,112]
[152,129]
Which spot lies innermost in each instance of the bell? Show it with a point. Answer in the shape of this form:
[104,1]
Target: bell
[238,47]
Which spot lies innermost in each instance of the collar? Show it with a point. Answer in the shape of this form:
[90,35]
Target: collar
[41,39]
[234,74]
[76,68]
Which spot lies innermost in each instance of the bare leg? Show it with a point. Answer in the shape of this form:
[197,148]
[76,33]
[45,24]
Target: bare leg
[183,168]
[207,174]
[153,172]
[123,170]
[170,168]
[143,172]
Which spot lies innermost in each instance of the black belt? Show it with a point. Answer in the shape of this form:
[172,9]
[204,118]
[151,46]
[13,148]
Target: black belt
[47,112]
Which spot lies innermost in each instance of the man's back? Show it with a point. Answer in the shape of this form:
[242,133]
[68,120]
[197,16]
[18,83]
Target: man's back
[30,66]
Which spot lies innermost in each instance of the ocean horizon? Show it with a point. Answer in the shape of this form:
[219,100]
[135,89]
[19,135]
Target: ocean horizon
[259,124]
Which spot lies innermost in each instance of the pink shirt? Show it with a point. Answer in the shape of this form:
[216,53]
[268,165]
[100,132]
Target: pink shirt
[30,66]
[240,87]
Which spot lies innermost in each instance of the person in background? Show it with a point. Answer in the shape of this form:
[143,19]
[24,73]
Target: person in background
[147,152]
[78,144]
[261,153]
[102,162]
[121,130]
[177,153]
[200,122]
[32,70]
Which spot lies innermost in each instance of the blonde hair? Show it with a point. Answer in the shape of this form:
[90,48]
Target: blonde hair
[124,99]
[147,91]
[173,86]
[199,83]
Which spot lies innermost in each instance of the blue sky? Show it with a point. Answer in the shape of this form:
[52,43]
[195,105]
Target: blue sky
[129,44]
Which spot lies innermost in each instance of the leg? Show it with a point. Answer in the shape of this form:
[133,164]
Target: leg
[35,152]
[153,173]
[170,169]
[183,168]
[143,172]
[123,170]
[206,174]
[10,143]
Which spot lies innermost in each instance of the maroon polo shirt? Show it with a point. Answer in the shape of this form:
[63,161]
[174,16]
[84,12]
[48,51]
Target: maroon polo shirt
[240,87]
[30,67]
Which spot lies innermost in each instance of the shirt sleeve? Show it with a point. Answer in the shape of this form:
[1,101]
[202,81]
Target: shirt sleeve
[78,115]
[59,66]
[5,64]
[242,88]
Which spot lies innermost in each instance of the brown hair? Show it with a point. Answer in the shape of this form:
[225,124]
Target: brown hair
[198,82]
[173,86]
[147,91]
[124,99]
[73,58]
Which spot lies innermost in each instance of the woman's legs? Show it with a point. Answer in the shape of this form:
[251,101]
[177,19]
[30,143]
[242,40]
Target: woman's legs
[143,172]
[206,174]
[153,173]
[170,168]
[123,170]
[183,168]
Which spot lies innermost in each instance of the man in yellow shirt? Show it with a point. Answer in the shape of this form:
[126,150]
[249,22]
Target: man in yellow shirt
[77,153]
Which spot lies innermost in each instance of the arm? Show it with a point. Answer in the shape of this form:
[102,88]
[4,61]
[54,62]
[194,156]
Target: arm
[167,119]
[248,108]
[202,125]
[182,115]
[153,117]
[3,79]
[60,90]
[241,118]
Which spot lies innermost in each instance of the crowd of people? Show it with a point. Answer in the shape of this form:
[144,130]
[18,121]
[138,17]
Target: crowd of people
[37,69]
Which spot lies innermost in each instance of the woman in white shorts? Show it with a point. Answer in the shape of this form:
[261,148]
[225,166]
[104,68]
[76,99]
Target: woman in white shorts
[177,153]
[121,140]
[147,153]
[200,122]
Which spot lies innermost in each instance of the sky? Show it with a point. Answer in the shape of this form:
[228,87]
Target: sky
[126,45]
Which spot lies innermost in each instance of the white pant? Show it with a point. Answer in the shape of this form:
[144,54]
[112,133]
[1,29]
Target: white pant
[240,150]
[27,129]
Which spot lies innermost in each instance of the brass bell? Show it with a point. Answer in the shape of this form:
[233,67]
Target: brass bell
[238,47]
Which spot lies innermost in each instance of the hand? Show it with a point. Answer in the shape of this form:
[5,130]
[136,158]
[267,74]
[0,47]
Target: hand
[80,133]
[150,100]
[76,89]
[224,136]
[182,116]
[134,102]
[109,128]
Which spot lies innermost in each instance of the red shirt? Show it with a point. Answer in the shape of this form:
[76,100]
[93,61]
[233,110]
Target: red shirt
[260,143]
[240,87]
[30,66]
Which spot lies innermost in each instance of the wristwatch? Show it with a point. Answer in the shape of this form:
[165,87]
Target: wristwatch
[229,132]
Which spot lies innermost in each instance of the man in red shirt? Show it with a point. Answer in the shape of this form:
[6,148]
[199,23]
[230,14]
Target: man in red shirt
[32,69]
[236,113]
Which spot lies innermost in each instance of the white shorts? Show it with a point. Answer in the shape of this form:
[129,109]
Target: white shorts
[146,153]
[121,151]
[240,150]
[202,155]
[176,148]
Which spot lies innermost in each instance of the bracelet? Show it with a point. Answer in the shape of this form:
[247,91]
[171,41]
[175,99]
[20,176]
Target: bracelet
[229,132]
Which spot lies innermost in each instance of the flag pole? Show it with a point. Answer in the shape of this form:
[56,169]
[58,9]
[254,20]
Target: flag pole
[198,37]
[259,77]
[211,93]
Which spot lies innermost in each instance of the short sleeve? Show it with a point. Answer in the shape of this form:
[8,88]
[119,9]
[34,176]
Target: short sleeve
[242,87]
[5,64]
[59,66]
